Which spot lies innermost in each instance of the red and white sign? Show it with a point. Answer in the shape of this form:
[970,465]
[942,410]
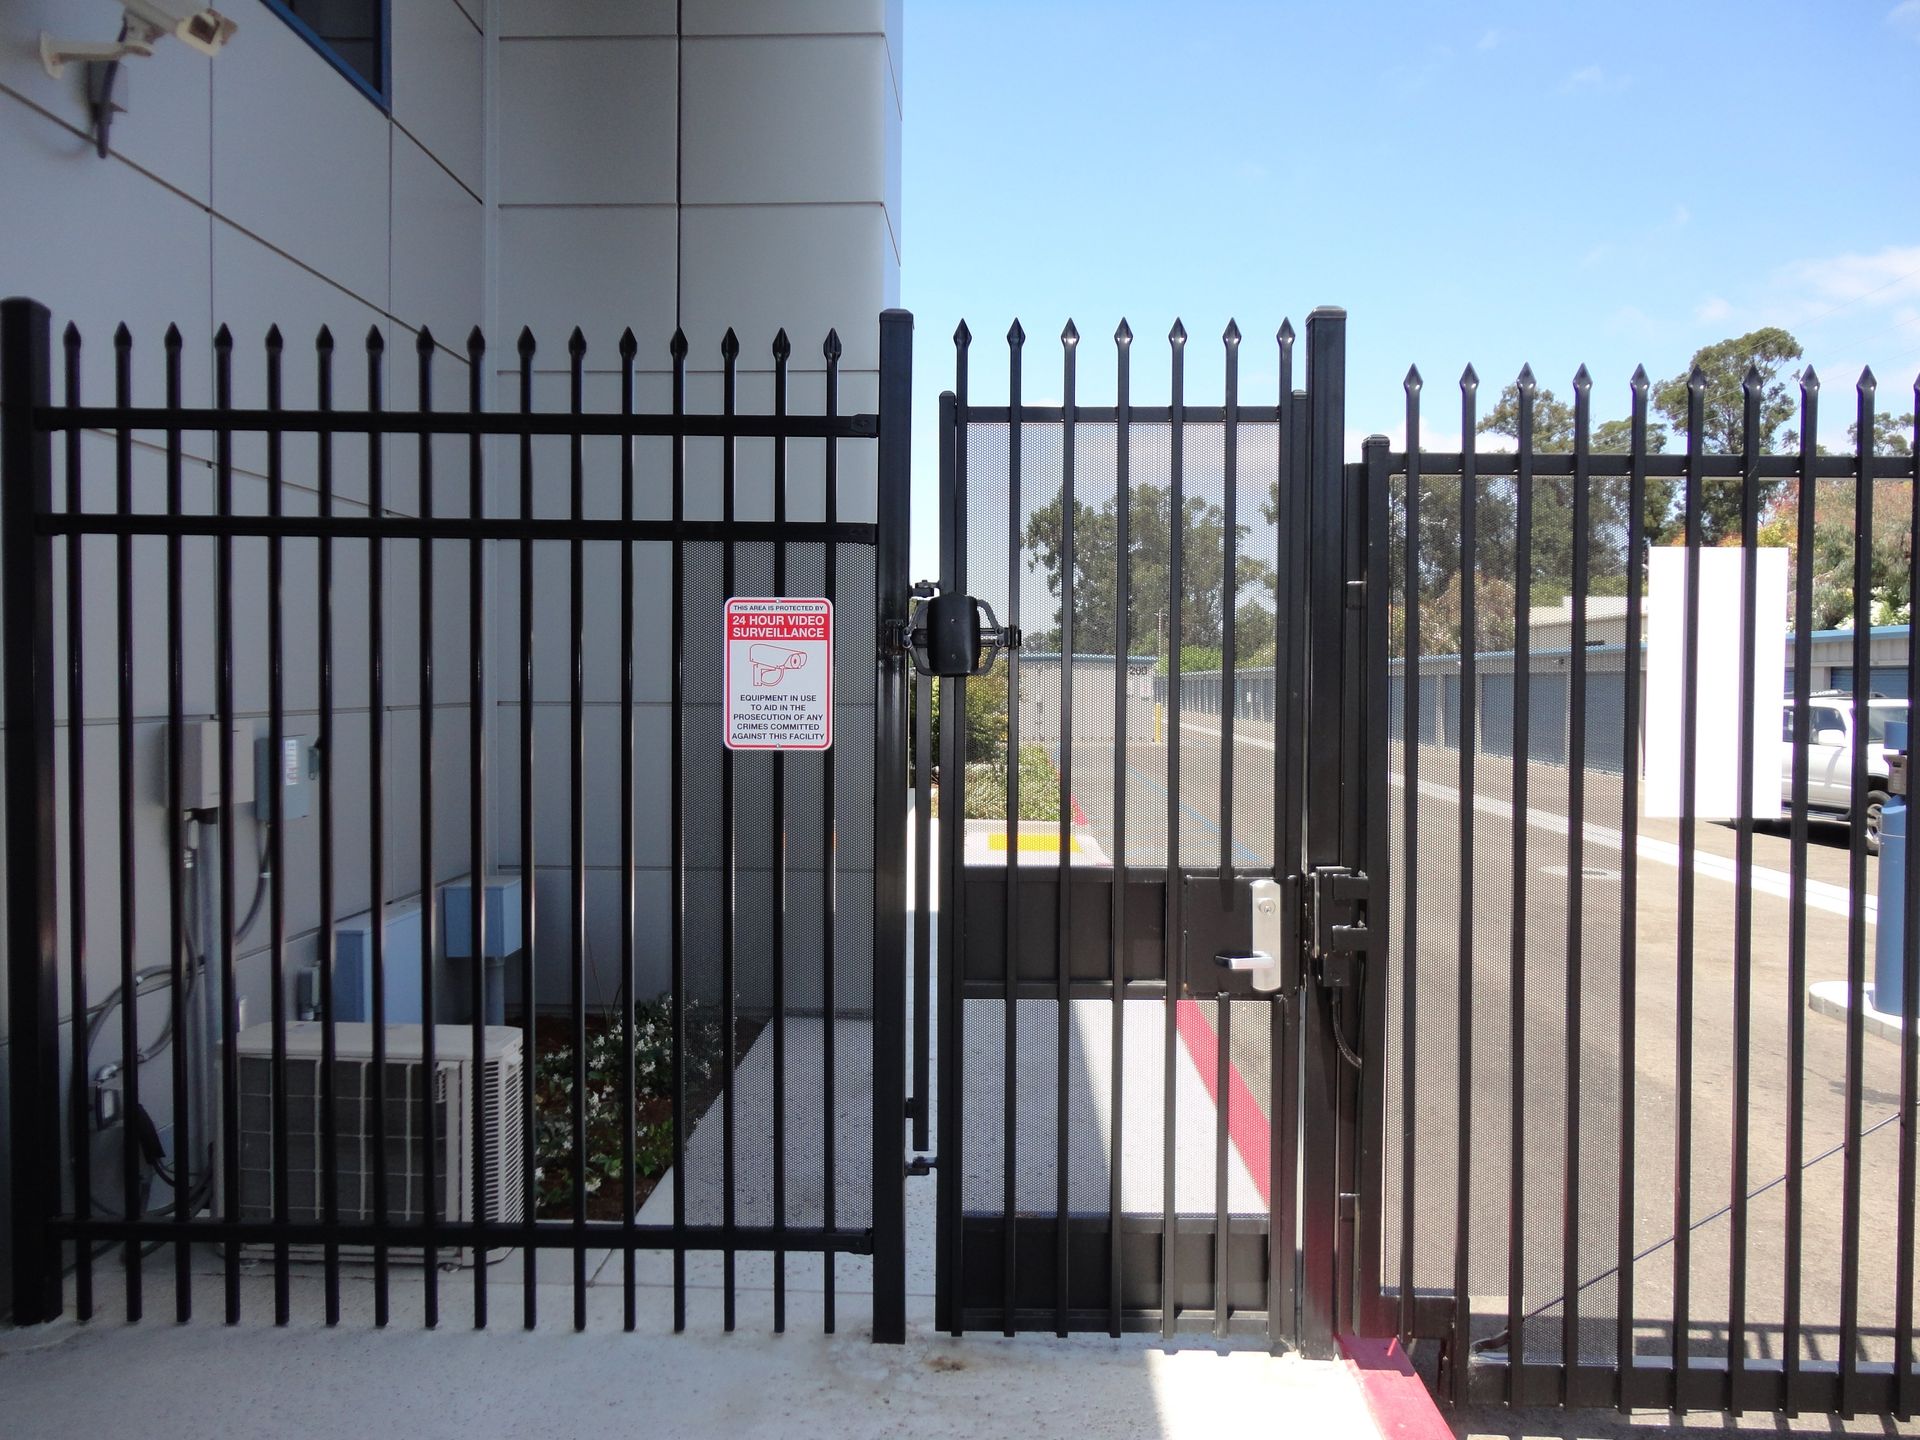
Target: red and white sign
[779,674]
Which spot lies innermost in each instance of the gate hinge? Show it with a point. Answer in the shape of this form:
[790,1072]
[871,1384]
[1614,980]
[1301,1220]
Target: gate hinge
[922,1164]
[1337,901]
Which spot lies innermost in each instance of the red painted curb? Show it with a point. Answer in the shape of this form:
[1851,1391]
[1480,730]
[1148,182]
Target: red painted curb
[1396,1397]
[1245,1125]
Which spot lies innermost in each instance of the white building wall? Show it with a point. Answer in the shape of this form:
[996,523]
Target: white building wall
[546,163]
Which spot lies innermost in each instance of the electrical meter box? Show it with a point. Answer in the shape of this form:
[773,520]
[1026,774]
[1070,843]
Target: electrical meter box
[200,766]
[293,770]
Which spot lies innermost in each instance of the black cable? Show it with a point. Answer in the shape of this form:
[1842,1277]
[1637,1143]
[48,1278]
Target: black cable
[1347,1052]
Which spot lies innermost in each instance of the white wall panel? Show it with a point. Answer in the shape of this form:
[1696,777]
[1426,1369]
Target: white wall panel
[439,259]
[786,120]
[781,17]
[586,17]
[587,121]
[600,269]
[809,268]
[300,157]
[93,224]
[438,94]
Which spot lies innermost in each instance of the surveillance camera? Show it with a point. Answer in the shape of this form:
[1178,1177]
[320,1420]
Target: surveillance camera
[205,30]
[146,21]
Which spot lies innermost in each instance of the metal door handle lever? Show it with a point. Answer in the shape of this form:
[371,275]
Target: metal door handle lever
[1242,960]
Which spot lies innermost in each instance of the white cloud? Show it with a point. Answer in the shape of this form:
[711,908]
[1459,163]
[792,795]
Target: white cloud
[1592,80]
[1906,16]
[1492,38]
[1711,309]
[1841,282]
[1681,216]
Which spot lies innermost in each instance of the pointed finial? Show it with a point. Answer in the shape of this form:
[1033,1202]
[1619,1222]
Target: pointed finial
[423,342]
[1177,335]
[1582,380]
[527,344]
[1016,337]
[1751,380]
[223,338]
[1525,381]
[962,336]
[1070,336]
[122,337]
[323,342]
[70,336]
[1285,335]
[677,346]
[1810,380]
[476,342]
[173,341]
[273,340]
[1123,336]
[630,346]
[831,346]
[1697,380]
[1413,381]
[1867,384]
[1469,379]
[1231,335]
[1640,382]
[576,343]
[729,345]
[782,347]
[376,341]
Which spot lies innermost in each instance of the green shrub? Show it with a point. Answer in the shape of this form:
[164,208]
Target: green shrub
[652,1094]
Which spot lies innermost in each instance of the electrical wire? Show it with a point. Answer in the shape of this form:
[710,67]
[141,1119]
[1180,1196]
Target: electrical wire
[159,975]
[147,981]
[1347,1052]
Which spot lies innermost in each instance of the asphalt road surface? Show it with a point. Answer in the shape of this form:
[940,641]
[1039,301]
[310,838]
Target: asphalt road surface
[1677,1133]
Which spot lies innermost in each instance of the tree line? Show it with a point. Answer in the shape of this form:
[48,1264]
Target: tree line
[1770,353]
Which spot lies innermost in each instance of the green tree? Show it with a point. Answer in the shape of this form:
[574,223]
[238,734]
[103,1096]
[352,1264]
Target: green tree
[1833,548]
[1149,554]
[1724,367]
[1892,434]
[1553,539]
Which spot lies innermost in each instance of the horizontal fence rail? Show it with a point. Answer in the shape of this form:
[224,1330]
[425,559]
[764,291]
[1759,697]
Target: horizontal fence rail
[1627,1162]
[364,922]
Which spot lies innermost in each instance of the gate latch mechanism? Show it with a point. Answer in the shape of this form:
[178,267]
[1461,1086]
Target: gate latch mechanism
[1337,932]
[954,634]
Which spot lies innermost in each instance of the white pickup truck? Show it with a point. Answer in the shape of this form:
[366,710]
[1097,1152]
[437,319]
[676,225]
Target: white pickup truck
[1830,733]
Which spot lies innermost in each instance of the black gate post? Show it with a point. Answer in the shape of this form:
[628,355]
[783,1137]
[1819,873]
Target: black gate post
[33,981]
[890,835]
[1323,1087]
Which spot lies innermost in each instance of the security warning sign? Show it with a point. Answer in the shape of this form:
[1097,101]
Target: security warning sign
[779,674]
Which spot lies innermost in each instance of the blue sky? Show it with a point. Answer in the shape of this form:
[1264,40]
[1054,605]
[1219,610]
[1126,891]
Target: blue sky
[1504,183]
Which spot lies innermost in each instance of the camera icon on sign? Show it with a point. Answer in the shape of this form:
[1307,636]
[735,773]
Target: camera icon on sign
[772,662]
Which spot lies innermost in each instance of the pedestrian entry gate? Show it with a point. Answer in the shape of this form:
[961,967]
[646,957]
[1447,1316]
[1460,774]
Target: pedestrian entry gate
[1152,996]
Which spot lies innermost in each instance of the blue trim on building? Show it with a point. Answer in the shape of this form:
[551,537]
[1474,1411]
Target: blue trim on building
[381,95]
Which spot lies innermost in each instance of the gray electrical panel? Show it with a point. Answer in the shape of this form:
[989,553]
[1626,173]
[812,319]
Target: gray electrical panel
[200,766]
[293,770]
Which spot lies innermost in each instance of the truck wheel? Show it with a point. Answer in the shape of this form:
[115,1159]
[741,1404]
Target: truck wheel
[1876,802]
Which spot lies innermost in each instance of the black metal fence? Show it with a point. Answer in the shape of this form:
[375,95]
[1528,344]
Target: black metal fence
[317,575]
[1626,1163]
